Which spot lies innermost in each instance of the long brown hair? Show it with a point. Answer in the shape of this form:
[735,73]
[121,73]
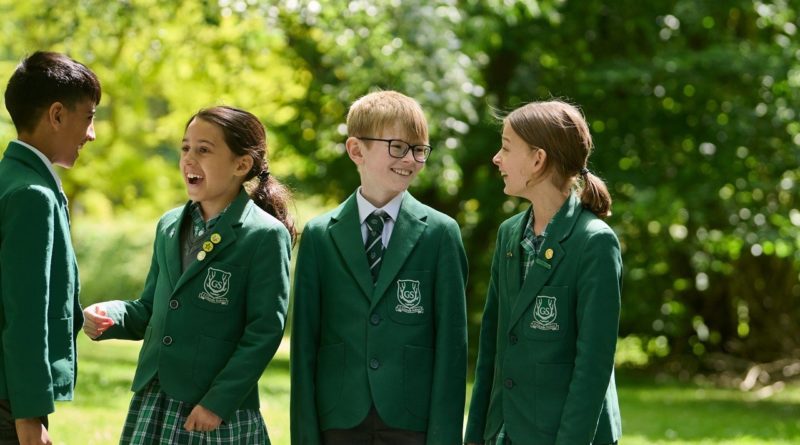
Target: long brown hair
[561,131]
[245,135]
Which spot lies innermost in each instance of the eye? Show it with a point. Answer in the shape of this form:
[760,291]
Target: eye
[185,148]
[203,149]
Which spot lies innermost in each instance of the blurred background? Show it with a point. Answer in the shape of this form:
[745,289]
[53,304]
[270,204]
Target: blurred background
[693,106]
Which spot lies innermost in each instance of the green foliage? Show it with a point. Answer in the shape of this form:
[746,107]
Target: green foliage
[693,108]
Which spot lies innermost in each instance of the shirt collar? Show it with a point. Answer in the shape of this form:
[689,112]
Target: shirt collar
[44,159]
[365,208]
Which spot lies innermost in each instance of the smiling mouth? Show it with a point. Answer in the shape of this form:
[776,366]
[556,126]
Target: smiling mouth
[402,172]
[193,179]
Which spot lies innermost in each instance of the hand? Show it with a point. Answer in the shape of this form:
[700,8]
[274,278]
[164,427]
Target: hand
[95,320]
[31,431]
[201,419]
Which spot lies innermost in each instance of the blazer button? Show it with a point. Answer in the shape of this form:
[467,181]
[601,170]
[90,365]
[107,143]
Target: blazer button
[173,304]
[509,383]
[375,319]
[167,340]
[513,339]
[374,363]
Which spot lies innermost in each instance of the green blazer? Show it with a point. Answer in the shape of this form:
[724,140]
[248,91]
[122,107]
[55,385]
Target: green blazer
[210,332]
[399,344]
[546,353]
[40,315]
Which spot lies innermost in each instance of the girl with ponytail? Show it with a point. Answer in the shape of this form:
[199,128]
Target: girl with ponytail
[545,371]
[213,309]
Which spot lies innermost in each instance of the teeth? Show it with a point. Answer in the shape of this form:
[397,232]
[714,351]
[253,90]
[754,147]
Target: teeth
[402,172]
[193,176]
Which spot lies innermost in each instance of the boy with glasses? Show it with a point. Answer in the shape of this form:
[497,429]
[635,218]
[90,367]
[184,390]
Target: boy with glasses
[379,336]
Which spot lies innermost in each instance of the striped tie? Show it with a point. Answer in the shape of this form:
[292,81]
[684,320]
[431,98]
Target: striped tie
[374,243]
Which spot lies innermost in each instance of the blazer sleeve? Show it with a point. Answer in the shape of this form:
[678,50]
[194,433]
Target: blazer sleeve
[132,317]
[487,350]
[26,257]
[305,429]
[267,302]
[597,316]
[445,423]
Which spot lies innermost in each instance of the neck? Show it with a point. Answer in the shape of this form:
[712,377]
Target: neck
[377,199]
[546,202]
[37,141]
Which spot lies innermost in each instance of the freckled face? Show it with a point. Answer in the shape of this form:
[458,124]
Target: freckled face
[382,175]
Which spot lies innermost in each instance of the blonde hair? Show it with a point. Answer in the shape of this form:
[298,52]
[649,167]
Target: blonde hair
[371,114]
[561,131]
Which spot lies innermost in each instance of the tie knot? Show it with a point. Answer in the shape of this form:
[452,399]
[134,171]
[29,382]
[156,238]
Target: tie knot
[376,220]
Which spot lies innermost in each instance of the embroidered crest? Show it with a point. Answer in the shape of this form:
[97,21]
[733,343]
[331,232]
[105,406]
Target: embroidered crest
[409,297]
[544,314]
[216,286]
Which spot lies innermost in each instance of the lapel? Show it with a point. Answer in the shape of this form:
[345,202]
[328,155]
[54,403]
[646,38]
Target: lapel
[226,227]
[559,230]
[345,229]
[173,246]
[411,222]
[24,155]
[513,253]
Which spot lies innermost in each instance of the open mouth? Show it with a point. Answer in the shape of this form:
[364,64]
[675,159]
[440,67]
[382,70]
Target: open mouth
[402,172]
[193,179]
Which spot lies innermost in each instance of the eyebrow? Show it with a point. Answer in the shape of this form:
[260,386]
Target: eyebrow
[202,140]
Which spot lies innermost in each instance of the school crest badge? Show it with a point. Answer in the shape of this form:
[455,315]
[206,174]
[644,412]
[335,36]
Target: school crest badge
[545,313]
[216,286]
[409,297]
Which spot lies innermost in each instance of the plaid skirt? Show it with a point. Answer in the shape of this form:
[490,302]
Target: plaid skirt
[154,418]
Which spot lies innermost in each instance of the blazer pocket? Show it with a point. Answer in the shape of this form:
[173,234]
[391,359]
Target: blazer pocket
[218,287]
[548,316]
[552,385]
[211,356]
[409,300]
[417,379]
[329,375]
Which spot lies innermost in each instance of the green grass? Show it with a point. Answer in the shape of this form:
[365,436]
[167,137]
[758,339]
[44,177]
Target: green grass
[652,413]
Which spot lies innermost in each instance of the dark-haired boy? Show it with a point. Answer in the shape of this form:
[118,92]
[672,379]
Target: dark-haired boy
[51,99]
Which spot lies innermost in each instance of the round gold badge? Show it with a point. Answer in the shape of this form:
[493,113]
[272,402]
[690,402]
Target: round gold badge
[548,253]
[208,246]
[201,255]
[216,238]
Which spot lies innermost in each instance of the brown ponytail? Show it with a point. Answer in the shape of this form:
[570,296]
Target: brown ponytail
[245,135]
[274,197]
[595,196]
[561,131]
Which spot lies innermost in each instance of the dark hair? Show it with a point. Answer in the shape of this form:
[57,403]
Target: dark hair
[44,78]
[245,135]
[561,131]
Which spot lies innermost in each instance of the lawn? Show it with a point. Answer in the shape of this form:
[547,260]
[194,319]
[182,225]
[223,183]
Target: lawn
[653,413]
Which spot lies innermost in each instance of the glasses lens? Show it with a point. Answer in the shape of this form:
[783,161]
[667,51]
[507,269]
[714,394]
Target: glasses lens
[398,149]
[421,152]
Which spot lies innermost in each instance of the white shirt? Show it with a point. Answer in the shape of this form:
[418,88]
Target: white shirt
[44,159]
[392,208]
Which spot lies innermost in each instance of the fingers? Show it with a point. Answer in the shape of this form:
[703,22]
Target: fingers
[95,320]
[201,419]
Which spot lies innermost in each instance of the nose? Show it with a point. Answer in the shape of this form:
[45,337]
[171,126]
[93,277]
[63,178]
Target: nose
[496,159]
[90,132]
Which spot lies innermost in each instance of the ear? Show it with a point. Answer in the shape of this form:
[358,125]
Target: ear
[243,165]
[355,149]
[539,160]
[56,114]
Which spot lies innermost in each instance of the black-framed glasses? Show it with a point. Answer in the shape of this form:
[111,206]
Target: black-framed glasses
[398,148]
